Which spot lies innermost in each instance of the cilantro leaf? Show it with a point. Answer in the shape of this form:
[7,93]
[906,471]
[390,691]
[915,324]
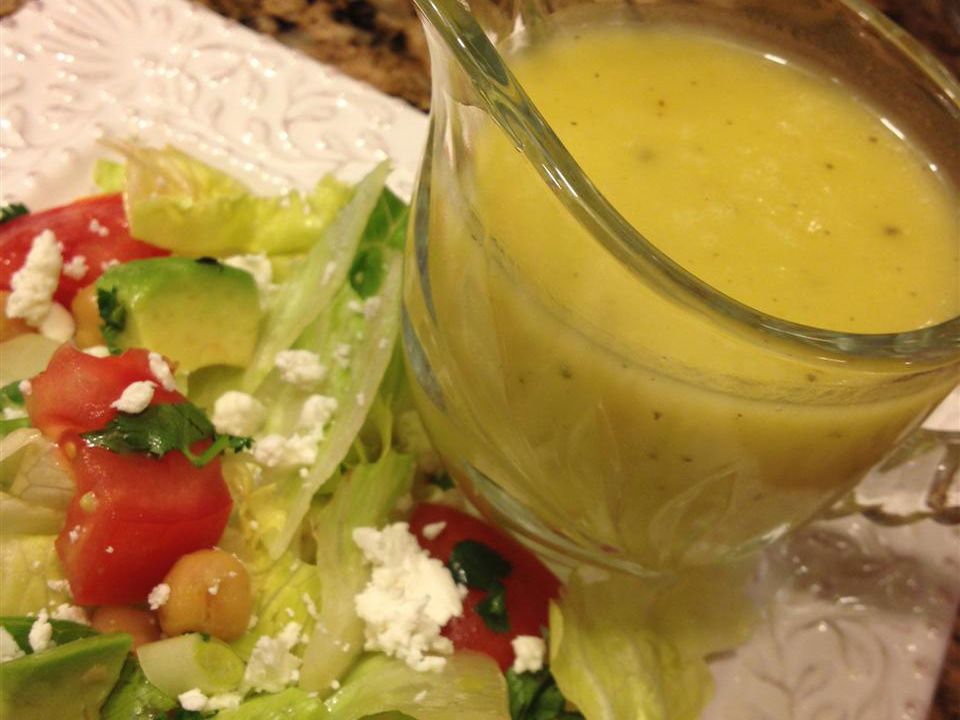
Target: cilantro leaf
[535,696]
[114,316]
[10,395]
[386,227]
[162,428]
[441,480]
[9,212]
[477,565]
[493,609]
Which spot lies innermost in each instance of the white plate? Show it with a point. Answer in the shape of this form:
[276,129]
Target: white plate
[858,627]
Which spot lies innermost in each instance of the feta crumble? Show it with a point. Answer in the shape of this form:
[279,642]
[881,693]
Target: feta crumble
[58,324]
[193,700]
[272,666]
[316,413]
[98,351]
[33,285]
[135,397]
[278,451]
[159,596]
[76,267]
[237,413]
[9,650]
[66,611]
[25,387]
[409,598]
[160,369]
[341,355]
[528,651]
[258,265]
[59,586]
[300,367]
[41,632]
[431,531]
[97,228]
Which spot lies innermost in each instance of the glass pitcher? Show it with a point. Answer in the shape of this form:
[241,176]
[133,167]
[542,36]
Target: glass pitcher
[611,400]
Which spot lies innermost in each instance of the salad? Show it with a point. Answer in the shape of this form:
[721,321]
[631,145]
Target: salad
[216,498]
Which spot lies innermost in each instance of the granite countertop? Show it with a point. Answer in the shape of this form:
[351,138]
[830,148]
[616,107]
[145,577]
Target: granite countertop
[380,42]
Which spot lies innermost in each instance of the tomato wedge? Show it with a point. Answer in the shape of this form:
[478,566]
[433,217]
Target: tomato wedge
[95,228]
[132,516]
[529,587]
[76,390]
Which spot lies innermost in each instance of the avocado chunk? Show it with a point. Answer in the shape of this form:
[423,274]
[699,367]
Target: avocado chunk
[195,312]
[67,682]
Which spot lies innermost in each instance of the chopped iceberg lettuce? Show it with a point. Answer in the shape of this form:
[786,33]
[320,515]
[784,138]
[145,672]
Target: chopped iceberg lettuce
[29,571]
[177,202]
[469,687]
[623,647]
[364,499]
[304,296]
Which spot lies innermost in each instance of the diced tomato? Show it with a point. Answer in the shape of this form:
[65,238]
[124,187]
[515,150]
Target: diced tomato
[94,227]
[132,516]
[529,586]
[76,390]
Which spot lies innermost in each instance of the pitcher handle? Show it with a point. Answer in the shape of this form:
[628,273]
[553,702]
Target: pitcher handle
[936,495]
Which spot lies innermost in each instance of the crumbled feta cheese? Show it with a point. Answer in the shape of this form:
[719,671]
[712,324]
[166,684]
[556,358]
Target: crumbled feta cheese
[328,270]
[14,413]
[97,229]
[58,324]
[431,531]
[65,611]
[33,285]
[528,651]
[420,696]
[135,397]
[334,685]
[25,387]
[108,550]
[409,598]
[9,650]
[237,413]
[76,268]
[259,267]
[224,701]
[41,632]
[160,369]
[341,355]
[59,586]
[214,588]
[159,596]
[193,700]
[272,666]
[316,412]
[300,367]
[107,264]
[74,533]
[279,451]
[371,306]
[100,351]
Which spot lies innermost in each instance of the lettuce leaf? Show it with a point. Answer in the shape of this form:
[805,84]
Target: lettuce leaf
[470,687]
[177,202]
[364,499]
[290,704]
[301,299]
[27,564]
[623,647]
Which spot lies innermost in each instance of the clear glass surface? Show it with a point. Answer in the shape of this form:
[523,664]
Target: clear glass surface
[620,445]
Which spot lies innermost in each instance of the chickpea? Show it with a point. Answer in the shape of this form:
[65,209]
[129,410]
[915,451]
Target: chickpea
[10,327]
[86,314]
[141,624]
[209,593]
